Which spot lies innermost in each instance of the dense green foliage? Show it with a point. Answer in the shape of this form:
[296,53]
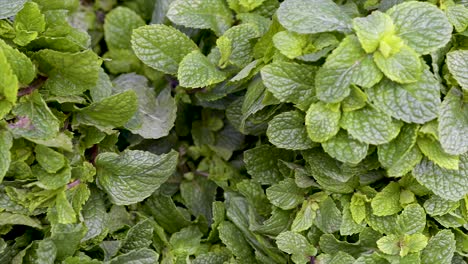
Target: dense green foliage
[234,131]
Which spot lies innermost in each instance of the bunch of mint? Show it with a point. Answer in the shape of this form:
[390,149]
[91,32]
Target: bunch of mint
[233,131]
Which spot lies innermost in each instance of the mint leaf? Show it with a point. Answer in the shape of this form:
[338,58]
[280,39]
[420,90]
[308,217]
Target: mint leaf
[412,220]
[440,247]
[433,151]
[322,121]
[197,71]
[287,131]
[285,194]
[29,22]
[236,46]
[111,112]
[345,148]
[448,184]
[296,245]
[49,159]
[403,66]
[6,142]
[457,65]
[141,256]
[372,29]
[328,218]
[413,103]
[20,64]
[458,15]
[348,64]
[453,123]
[370,125]
[290,82]
[119,24]
[133,175]
[7,218]
[212,14]
[8,85]
[308,17]
[139,236]
[9,8]
[69,73]
[290,44]
[305,217]
[262,163]
[161,47]
[436,205]
[387,201]
[423,26]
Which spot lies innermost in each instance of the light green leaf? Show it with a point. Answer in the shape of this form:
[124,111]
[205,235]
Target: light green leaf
[285,194]
[35,121]
[6,142]
[161,47]
[432,149]
[440,248]
[139,236]
[133,175]
[387,201]
[448,184]
[20,64]
[313,16]
[262,163]
[69,73]
[7,218]
[458,66]
[29,22]
[95,215]
[358,207]
[186,241]
[453,123]
[389,244]
[437,206]
[322,121]
[413,103]
[65,212]
[156,115]
[197,71]
[305,217]
[290,82]
[118,25]
[412,220]
[236,45]
[412,244]
[329,217]
[422,26]
[403,66]
[297,245]
[458,15]
[287,130]
[49,159]
[400,155]
[345,148]
[10,8]
[348,64]
[141,256]
[212,14]
[372,29]
[8,83]
[370,125]
[52,181]
[111,112]
[290,44]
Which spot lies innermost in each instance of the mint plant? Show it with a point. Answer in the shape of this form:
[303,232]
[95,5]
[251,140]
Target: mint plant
[233,131]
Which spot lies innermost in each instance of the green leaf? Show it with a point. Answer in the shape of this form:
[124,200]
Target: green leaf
[18,219]
[305,217]
[285,194]
[10,8]
[94,215]
[413,103]
[161,47]
[313,16]
[423,26]
[432,149]
[44,252]
[389,244]
[329,217]
[387,201]
[358,207]
[448,184]
[156,115]
[65,212]
[287,131]
[370,125]
[457,15]
[234,240]
[413,244]
[186,241]
[403,66]
[49,159]
[322,121]
[199,195]
[6,142]
[437,206]
[35,119]
[290,44]
[453,123]
[52,181]
[297,245]
[139,236]
[348,64]
[133,175]
[236,46]
[372,29]
[69,73]
[212,14]
[111,112]
[197,71]
[345,148]
[20,64]
[29,22]
[262,163]
[290,82]
[118,25]
[141,256]
[400,155]
[412,220]
[440,248]
[8,83]
[458,66]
